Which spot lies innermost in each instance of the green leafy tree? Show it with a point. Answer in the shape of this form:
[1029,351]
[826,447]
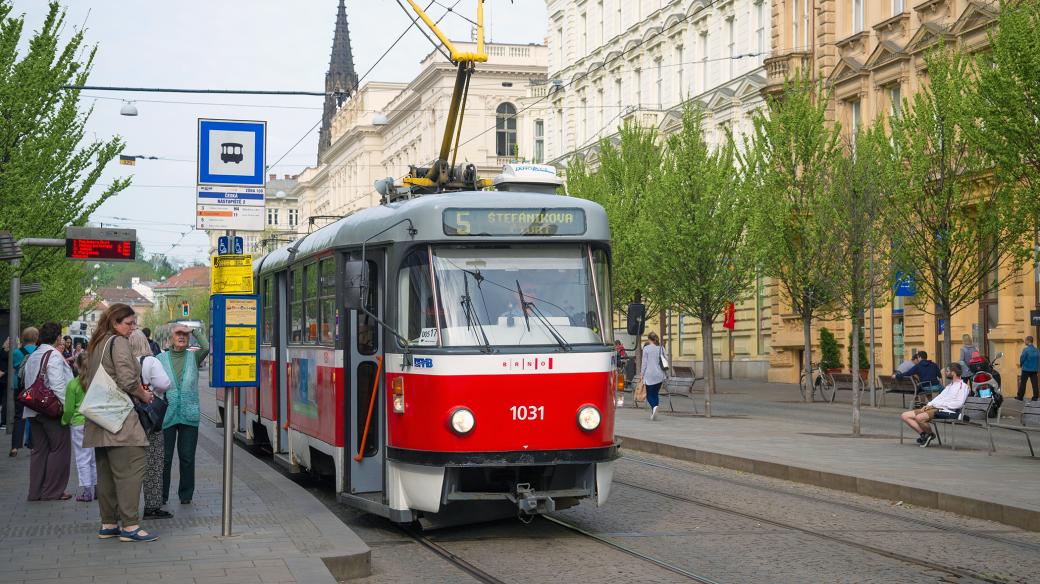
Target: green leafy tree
[790,162]
[47,168]
[959,230]
[856,200]
[620,183]
[1008,101]
[830,355]
[695,225]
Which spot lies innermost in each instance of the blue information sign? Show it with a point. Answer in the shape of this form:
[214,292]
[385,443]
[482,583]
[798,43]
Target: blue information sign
[232,152]
[223,247]
[905,285]
[234,330]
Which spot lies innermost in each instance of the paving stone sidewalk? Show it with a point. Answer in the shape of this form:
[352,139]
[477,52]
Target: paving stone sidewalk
[764,428]
[282,533]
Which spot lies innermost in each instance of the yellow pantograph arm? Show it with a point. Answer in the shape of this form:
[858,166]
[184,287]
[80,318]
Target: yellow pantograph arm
[478,57]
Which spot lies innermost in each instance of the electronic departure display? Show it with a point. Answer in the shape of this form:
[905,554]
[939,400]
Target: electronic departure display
[512,222]
[87,243]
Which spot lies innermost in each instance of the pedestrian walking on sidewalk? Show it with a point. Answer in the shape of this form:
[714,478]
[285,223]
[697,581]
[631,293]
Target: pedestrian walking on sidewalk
[20,433]
[120,455]
[86,467]
[181,426]
[652,374]
[1029,362]
[154,377]
[52,446]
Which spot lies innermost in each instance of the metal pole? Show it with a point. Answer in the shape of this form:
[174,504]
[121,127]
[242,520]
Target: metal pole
[14,336]
[873,353]
[229,432]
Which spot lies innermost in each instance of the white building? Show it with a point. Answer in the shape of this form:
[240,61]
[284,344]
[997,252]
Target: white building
[612,60]
[281,218]
[385,127]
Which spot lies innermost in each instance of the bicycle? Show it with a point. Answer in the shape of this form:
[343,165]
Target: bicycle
[822,384]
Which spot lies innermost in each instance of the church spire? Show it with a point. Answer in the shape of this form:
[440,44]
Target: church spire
[340,81]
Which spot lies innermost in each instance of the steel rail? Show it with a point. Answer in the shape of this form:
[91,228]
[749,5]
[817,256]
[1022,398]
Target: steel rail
[451,558]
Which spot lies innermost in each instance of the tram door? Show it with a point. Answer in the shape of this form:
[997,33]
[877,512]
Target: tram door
[364,346]
[282,359]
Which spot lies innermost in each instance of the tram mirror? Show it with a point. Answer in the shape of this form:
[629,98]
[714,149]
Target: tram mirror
[355,284]
[636,318]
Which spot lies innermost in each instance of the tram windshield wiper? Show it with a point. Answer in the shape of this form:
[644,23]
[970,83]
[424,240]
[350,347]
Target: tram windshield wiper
[469,311]
[525,305]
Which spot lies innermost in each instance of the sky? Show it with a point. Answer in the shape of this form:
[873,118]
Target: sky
[234,44]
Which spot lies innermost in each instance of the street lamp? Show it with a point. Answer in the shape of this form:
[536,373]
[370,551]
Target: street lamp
[128,109]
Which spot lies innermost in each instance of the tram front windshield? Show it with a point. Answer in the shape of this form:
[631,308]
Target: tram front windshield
[505,296]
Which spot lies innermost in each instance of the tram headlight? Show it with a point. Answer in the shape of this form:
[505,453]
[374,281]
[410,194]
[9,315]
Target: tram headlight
[462,421]
[397,386]
[589,418]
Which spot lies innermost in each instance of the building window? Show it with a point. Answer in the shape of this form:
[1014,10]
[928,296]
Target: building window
[599,111]
[617,94]
[559,132]
[602,22]
[272,216]
[704,61]
[659,83]
[617,16]
[539,141]
[730,45]
[794,25]
[854,118]
[897,7]
[760,27]
[584,113]
[857,16]
[679,74]
[294,217]
[639,88]
[505,129]
[559,48]
[895,97]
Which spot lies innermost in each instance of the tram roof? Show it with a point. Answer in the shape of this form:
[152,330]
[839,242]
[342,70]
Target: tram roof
[426,215]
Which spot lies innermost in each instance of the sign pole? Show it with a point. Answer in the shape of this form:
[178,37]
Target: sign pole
[15,337]
[229,433]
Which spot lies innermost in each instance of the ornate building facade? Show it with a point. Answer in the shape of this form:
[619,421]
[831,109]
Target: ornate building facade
[617,60]
[385,127]
[871,56]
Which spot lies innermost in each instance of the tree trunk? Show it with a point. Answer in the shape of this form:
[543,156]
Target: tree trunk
[854,367]
[947,346]
[709,366]
[807,360]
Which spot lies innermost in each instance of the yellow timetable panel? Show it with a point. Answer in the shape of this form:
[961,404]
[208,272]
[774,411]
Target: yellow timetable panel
[240,340]
[240,368]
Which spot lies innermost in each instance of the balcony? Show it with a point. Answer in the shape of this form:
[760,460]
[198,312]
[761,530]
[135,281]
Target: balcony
[782,67]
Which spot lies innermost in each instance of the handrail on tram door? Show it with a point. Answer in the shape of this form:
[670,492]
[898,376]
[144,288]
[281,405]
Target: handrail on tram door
[371,406]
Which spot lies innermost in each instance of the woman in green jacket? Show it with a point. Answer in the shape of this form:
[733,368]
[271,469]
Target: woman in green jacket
[181,425]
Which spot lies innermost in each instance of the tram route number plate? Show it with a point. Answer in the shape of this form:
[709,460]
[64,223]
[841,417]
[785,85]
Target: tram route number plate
[505,222]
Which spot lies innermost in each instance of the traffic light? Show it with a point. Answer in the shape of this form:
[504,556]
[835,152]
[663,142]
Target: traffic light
[184,309]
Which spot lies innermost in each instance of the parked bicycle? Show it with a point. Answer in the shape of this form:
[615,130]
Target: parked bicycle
[822,385]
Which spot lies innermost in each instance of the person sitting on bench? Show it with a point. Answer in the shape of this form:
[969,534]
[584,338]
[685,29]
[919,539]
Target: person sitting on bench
[927,373]
[944,406]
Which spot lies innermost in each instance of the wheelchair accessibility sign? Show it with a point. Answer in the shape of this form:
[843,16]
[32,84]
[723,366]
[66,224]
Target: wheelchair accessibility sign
[232,152]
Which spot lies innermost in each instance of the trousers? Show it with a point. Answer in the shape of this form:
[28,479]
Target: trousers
[653,394]
[1031,376]
[153,472]
[120,474]
[184,438]
[86,467]
[50,463]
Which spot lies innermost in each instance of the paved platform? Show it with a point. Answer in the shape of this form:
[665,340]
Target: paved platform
[282,533]
[764,428]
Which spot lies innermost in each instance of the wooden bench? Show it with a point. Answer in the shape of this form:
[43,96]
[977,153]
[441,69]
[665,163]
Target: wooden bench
[1029,421]
[904,387]
[976,409]
[680,383]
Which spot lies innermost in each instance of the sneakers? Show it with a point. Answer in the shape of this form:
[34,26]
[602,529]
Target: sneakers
[157,514]
[927,440]
[920,439]
[108,533]
[653,413]
[137,536]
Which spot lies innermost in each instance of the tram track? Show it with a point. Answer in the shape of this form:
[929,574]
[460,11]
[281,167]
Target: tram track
[840,504]
[446,555]
[949,570]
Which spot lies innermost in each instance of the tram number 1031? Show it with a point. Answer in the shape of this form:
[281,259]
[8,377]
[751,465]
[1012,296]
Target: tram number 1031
[528,412]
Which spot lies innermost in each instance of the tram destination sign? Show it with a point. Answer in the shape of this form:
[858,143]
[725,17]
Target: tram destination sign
[507,222]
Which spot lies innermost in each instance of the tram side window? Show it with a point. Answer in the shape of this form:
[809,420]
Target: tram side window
[367,329]
[296,304]
[601,269]
[327,301]
[267,308]
[310,303]
[415,297]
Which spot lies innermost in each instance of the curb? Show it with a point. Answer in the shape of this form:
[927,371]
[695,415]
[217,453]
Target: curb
[1027,519]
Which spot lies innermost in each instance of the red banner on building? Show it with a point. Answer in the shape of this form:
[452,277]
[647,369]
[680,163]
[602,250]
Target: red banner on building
[729,320]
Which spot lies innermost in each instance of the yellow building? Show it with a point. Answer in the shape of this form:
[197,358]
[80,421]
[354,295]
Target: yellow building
[871,56]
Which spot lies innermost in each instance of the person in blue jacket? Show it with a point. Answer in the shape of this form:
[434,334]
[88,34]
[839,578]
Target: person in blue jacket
[20,435]
[926,371]
[1029,362]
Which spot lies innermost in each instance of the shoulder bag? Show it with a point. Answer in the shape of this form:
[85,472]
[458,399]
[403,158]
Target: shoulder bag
[151,414]
[664,360]
[38,397]
[105,404]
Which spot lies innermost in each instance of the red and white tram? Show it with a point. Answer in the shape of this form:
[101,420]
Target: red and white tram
[445,357]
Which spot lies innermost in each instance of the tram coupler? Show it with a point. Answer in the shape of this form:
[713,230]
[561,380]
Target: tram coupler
[533,503]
